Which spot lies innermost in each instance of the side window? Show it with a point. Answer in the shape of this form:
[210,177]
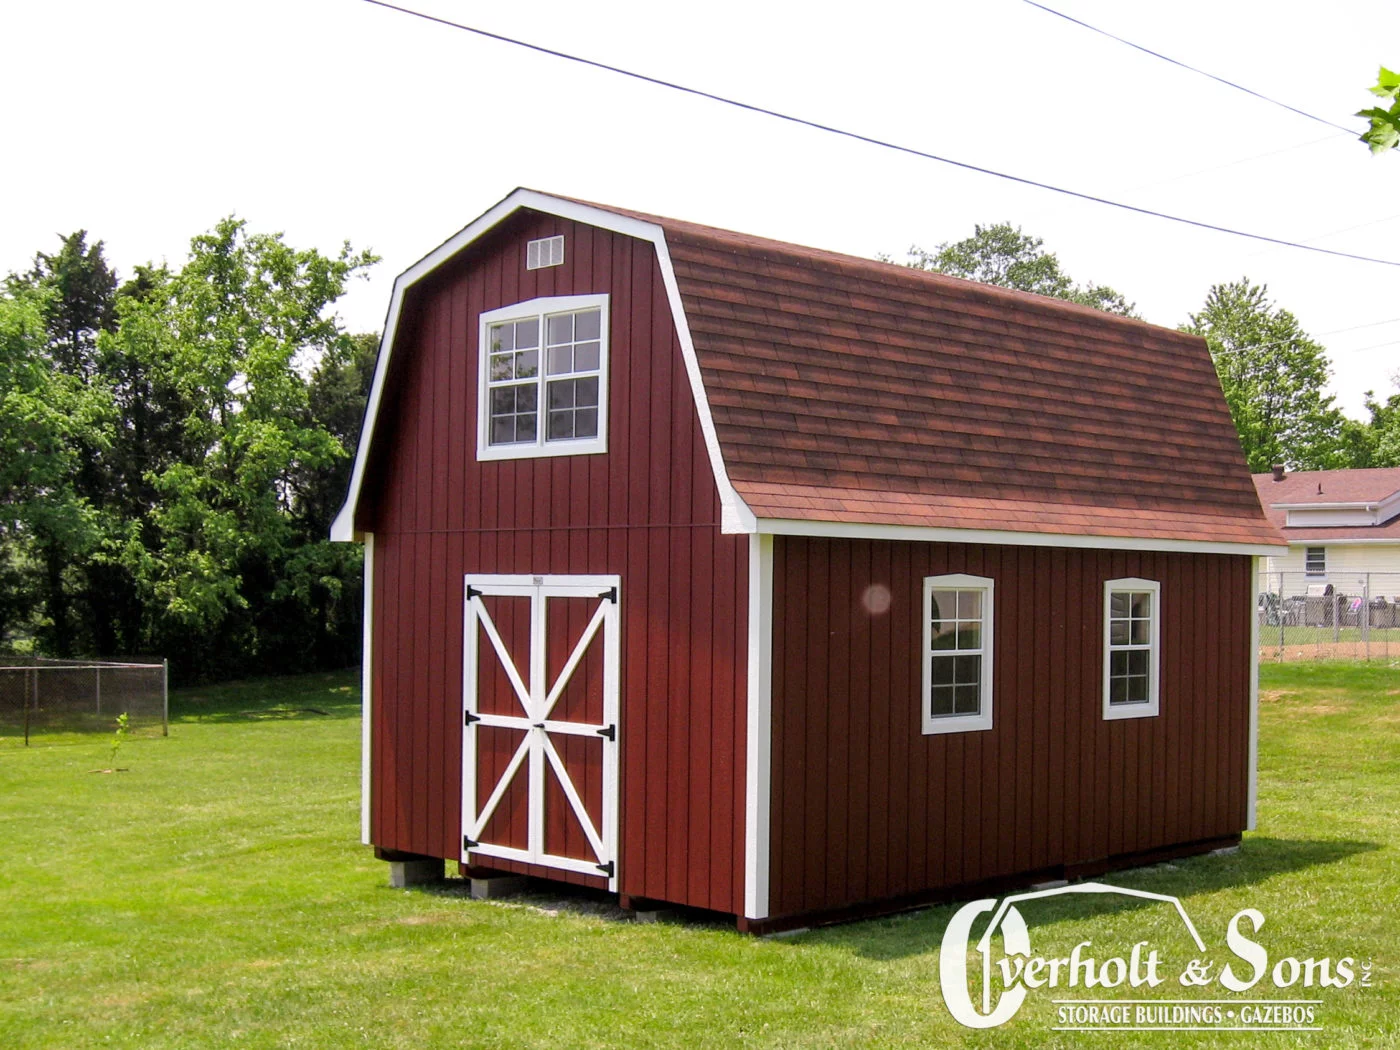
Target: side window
[957,653]
[543,368]
[1315,561]
[1131,647]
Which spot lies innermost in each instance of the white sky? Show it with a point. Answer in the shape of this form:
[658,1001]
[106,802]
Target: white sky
[146,121]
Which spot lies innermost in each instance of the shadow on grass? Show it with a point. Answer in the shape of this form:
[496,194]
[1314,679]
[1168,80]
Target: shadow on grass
[919,931]
[547,897]
[1259,858]
[333,695]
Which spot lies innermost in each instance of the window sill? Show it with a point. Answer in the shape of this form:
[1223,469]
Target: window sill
[1139,710]
[587,447]
[957,724]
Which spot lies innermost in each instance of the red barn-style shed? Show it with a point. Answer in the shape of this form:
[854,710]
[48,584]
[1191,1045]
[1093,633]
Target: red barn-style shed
[719,571]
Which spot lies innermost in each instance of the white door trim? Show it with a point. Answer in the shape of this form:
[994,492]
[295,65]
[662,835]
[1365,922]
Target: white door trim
[537,698]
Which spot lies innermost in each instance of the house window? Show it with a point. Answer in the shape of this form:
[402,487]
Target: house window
[957,654]
[1132,651]
[544,378]
[1315,562]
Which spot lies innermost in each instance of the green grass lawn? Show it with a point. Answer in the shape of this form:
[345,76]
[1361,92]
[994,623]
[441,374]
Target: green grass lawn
[216,895]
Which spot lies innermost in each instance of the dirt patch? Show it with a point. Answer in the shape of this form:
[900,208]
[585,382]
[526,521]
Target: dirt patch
[420,920]
[1271,696]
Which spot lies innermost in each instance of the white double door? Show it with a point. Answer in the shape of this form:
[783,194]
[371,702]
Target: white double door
[540,721]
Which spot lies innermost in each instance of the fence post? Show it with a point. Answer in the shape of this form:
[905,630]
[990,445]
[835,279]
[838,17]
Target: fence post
[1366,614]
[26,706]
[165,696]
[97,687]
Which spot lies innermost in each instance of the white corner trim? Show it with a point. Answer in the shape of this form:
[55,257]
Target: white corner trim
[1154,659]
[1250,822]
[958,723]
[366,688]
[759,729]
[927,533]
[735,514]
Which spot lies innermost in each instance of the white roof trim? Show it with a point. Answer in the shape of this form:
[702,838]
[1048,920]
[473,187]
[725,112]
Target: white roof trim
[1369,505]
[925,533]
[1323,541]
[734,512]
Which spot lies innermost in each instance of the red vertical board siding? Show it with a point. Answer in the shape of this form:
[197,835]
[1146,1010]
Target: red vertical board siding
[1052,783]
[647,510]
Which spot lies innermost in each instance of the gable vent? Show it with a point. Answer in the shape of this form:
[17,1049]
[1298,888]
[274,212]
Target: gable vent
[547,251]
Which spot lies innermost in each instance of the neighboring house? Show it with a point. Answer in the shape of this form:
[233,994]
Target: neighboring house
[1342,528]
[723,572]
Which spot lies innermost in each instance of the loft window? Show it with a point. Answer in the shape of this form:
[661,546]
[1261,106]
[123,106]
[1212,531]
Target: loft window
[547,251]
[1315,563]
[1132,650]
[544,378]
[957,653]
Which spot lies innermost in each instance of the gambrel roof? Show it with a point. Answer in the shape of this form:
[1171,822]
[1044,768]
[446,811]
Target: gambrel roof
[845,396]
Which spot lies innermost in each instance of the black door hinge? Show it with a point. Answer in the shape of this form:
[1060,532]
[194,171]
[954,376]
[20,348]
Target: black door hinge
[469,843]
[610,594]
[606,869]
[472,592]
[468,718]
[608,731]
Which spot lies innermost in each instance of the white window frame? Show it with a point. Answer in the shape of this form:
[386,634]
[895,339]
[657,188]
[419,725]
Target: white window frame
[958,723]
[1138,709]
[542,308]
[1307,569]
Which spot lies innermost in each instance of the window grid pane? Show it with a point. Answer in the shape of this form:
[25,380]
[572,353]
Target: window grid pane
[573,350]
[955,659]
[1130,647]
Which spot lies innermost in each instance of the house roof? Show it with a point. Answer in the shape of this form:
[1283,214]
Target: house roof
[1329,487]
[840,394]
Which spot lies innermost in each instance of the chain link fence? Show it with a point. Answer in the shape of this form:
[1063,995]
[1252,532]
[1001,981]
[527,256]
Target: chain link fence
[1340,616]
[40,695]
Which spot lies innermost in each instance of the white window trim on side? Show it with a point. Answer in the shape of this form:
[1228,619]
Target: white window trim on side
[958,723]
[1153,705]
[557,304]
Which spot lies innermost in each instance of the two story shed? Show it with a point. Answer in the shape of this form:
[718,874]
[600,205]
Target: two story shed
[724,572]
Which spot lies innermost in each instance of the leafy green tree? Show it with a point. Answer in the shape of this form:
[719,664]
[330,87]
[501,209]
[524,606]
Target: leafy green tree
[78,290]
[46,416]
[1273,376]
[1005,256]
[1376,442]
[1384,130]
[230,571]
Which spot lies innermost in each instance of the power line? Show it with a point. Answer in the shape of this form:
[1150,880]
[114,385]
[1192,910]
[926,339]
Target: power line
[1355,327]
[868,139]
[1193,69]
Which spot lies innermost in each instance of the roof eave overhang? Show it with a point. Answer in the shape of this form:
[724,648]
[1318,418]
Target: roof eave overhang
[736,517]
[1010,537]
[1347,541]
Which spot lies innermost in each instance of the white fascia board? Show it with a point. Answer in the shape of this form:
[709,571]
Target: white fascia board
[1323,541]
[1368,505]
[924,533]
[736,517]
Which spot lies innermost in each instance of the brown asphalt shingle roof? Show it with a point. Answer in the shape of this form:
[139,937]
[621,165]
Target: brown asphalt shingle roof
[849,390]
[1367,485]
